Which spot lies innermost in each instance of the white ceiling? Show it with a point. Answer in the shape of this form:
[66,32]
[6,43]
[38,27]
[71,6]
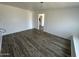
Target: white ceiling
[37,5]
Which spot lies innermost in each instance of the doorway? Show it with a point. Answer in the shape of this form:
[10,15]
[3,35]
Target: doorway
[41,21]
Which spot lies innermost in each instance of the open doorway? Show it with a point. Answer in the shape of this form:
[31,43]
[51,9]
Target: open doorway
[41,21]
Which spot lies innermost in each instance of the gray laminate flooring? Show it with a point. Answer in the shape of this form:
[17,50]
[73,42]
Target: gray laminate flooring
[35,43]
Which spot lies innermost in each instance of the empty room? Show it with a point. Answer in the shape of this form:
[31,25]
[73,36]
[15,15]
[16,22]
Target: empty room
[39,29]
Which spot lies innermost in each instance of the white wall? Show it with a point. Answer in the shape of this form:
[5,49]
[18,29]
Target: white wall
[0,41]
[73,53]
[14,19]
[35,20]
[62,22]
[76,44]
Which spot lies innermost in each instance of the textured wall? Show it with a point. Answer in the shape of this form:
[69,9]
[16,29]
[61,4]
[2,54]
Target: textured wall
[62,22]
[15,19]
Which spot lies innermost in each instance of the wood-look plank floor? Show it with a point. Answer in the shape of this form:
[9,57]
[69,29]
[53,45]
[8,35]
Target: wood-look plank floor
[35,43]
